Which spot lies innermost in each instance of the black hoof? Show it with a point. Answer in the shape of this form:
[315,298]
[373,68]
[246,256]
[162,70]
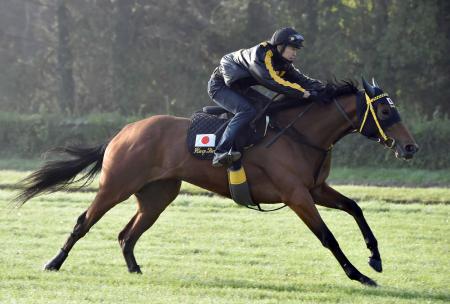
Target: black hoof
[135,269]
[56,262]
[376,264]
[51,266]
[367,281]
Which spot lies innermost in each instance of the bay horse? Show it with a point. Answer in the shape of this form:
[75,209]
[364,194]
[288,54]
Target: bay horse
[149,158]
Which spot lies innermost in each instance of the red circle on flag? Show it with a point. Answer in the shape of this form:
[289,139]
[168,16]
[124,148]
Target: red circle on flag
[205,140]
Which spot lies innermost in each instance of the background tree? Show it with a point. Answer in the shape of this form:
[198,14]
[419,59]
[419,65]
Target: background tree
[142,57]
[66,96]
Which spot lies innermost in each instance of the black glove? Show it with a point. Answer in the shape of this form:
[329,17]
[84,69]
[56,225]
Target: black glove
[313,95]
[320,96]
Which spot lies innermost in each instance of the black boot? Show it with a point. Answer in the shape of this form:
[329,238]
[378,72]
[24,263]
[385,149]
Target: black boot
[225,158]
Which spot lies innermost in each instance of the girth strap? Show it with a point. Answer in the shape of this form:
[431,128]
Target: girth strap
[240,190]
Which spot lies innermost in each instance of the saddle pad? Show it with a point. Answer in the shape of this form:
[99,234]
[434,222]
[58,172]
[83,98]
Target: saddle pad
[204,133]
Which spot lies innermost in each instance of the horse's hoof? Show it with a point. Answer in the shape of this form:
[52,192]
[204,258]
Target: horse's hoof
[367,281]
[50,266]
[56,262]
[135,269]
[376,264]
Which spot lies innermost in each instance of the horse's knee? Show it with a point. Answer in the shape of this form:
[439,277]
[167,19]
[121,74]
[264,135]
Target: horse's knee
[353,208]
[357,213]
[329,241]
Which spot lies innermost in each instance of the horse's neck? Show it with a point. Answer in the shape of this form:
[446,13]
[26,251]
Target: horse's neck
[324,125]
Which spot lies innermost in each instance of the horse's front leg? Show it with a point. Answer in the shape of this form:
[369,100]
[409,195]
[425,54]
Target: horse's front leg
[303,205]
[326,196]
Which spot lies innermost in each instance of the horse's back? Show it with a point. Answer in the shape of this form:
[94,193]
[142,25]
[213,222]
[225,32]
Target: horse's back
[151,128]
[153,145]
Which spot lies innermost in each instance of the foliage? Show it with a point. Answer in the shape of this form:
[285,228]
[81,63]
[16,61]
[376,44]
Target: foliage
[139,56]
[31,135]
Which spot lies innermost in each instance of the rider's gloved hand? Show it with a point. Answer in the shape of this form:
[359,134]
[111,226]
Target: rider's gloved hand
[313,94]
[306,94]
[316,96]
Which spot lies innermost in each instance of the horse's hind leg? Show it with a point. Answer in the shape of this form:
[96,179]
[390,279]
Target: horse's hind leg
[103,202]
[152,199]
[328,197]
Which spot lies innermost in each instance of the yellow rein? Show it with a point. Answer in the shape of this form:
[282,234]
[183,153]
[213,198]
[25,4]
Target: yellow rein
[369,102]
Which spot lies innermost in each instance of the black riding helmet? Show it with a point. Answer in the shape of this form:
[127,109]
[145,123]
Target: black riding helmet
[284,37]
[287,36]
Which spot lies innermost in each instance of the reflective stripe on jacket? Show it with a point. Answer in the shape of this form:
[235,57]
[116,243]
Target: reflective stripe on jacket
[262,64]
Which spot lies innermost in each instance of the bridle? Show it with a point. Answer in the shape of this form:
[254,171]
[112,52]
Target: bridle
[389,142]
[297,136]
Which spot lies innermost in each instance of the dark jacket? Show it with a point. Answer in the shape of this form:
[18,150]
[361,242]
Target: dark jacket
[263,65]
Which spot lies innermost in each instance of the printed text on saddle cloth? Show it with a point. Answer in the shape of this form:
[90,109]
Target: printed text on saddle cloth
[205,140]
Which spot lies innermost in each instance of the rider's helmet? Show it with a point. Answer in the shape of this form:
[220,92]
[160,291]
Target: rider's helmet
[287,36]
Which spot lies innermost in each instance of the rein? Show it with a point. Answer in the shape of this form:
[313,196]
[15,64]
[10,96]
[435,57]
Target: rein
[300,138]
[344,114]
[282,131]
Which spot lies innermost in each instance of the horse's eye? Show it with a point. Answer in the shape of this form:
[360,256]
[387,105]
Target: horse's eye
[385,112]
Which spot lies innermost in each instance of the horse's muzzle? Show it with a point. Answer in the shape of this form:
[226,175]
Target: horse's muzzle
[406,151]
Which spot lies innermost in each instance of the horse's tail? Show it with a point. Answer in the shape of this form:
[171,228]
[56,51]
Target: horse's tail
[59,174]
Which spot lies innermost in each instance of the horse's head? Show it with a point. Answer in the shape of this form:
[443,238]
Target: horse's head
[379,120]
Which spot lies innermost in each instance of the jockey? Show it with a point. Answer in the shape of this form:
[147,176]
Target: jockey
[268,64]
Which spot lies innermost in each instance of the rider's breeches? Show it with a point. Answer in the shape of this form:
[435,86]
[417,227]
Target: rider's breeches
[234,102]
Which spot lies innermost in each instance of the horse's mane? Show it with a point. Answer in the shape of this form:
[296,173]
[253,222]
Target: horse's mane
[333,89]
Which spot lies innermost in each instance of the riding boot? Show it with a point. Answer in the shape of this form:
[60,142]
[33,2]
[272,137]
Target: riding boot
[226,158]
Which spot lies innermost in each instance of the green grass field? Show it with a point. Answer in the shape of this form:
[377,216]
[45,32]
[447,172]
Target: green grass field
[205,249]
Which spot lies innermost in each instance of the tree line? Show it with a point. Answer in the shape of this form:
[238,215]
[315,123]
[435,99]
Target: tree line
[142,57]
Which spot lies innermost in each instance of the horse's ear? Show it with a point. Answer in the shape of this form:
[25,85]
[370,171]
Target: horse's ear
[374,83]
[368,88]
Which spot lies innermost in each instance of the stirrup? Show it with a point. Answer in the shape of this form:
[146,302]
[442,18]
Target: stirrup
[226,158]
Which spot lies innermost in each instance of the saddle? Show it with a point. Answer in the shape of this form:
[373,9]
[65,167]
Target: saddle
[207,127]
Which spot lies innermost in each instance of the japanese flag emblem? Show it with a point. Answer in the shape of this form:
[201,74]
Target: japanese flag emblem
[205,140]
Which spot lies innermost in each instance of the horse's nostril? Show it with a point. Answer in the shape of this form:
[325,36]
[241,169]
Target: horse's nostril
[411,148]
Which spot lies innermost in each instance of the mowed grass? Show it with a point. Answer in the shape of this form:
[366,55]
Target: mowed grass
[208,250]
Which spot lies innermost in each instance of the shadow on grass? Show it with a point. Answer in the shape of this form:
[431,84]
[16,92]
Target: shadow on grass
[382,292]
